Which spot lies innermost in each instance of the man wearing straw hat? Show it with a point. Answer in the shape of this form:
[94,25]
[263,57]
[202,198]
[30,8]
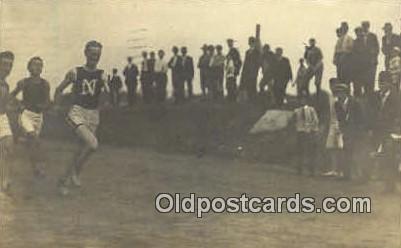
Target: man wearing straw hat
[389,41]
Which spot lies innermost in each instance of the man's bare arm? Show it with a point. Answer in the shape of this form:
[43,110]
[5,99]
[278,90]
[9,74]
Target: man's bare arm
[69,78]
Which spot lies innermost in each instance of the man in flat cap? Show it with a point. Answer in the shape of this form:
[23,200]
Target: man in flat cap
[234,56]
[373,46]
[175,64]
[250,70]
[314,59]
[350,120]
[187,71]
[389,41]
[385,121]
[203,64]
[360,63]
[343,52]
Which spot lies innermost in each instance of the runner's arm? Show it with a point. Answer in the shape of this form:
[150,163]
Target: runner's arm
[69,79]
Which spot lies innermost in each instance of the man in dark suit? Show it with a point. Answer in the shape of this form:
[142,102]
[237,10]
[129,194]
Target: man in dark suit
[360,63]
[115,85]
[373,50]
[385,121]
[146,78]
[350,120]
[203,64]
[131,74]
[234,54]
[187,70]
[250,70]
[175,64]
[389,41]
[282,75]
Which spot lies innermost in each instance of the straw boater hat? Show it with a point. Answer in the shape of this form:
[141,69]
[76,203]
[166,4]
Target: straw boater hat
[341,87]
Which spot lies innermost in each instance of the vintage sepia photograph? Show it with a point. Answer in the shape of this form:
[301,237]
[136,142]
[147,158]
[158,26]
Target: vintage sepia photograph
[200,123]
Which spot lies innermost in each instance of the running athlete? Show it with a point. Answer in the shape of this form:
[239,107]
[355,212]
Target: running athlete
[6,137]
[35,100]
[87,83]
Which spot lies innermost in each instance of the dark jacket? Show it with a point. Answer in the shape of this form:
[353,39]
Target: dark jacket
[187,67]
[386,116]
[360,57]
[373,47]
[176,69]
[282,70]
[131,74]
[387,47]
[115,83]
[236,57]
[350,118]
[251,66]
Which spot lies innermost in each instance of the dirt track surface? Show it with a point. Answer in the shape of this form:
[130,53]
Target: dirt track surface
[115,206]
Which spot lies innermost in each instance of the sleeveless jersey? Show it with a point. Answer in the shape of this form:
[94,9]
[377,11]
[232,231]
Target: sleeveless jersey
[35,94]
[87,87]
[4,97]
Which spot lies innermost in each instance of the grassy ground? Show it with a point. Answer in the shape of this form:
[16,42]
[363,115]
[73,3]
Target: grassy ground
[115,206]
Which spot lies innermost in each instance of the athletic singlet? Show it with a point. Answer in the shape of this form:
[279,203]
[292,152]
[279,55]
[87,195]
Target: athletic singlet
[87,87]
[34,94]
[4,97]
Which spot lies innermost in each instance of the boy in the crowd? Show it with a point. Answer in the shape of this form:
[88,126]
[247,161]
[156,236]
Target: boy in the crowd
[231,84]
[35,100]
[302,81]
[115,85]
[6,136]
[307,128]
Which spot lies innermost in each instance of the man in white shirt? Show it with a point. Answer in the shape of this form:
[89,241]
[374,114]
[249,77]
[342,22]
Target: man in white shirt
[161,68]
[342,56]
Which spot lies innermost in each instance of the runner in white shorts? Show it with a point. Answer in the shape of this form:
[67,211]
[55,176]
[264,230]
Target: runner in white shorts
[6,137]
[35,100]
[87,83]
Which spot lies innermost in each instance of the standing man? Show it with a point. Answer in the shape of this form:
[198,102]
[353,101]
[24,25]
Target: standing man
[385,121]
[175,64]
[350,121]
[212,74]
[203,64]
[361,63]
[35,100]
[268,62]
[87,83]
[282,75]
[6,136]
[342,58]
[373,50]
[235,56]
[115,85]
[389,41]
[250,70]
[161,68]
[219,62]
[131,82]
[146,78]
[187,71]
[152,77]
[314,59]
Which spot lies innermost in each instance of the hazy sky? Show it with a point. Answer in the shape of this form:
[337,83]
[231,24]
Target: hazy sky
[58,30]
